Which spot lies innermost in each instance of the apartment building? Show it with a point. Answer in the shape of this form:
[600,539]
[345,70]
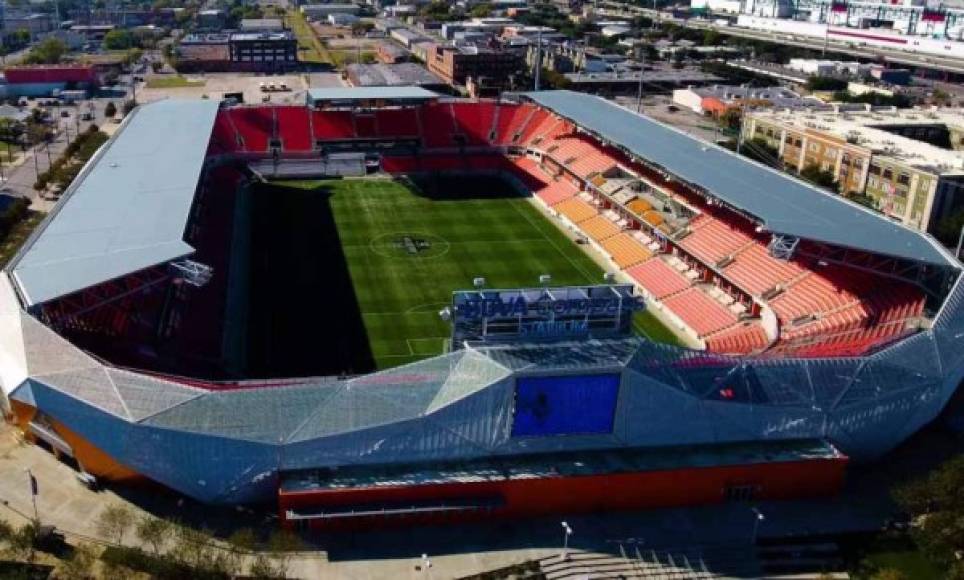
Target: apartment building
[909,163]
[454,64]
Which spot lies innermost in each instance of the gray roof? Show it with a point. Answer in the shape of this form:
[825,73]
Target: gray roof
[361,93]
[784,204]
[128,208]
[403,74]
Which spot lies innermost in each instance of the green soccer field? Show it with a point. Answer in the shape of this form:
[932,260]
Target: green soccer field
[407,248]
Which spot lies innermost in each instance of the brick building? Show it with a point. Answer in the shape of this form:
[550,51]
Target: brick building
[908,164]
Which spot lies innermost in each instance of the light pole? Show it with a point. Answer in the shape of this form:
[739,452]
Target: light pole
[758,517]
[960,240]
[567,531]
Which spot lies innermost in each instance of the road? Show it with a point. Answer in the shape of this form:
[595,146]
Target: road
[935,63]
[20,179]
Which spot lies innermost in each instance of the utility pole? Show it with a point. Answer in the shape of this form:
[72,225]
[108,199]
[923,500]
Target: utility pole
[746,95]
[538,63]
[639,91]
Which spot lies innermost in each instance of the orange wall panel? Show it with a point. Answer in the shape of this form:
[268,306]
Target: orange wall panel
[582,494]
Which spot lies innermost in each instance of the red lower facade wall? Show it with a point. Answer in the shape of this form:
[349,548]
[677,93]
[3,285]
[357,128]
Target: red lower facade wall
[572,495]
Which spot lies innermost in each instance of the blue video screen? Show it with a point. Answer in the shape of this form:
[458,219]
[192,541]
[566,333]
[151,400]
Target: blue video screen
[565,405]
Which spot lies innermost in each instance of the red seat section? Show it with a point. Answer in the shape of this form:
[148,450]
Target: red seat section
[438,125]
[475,121]
[756,271]
[745,338]
[658,278]
[224,137]
[255,125]
[700,312]
[331,125]
[712,240]
[365,127]
[294,128]
[401,164]
[511,121]
[397,122]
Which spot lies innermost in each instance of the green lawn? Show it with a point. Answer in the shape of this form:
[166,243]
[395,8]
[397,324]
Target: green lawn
[310,47]
[398,289]
[18,235]
[172,82]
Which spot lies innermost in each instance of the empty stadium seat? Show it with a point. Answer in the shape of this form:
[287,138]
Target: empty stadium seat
[294,128]
[745,338]
[331,125]
[224,136]
[474,121]
[255,126]
[658,278]
[365,127]
[599,228]
[438,125]
[626,251]
[511,122]
[397,122]
[575,210]
[700,312]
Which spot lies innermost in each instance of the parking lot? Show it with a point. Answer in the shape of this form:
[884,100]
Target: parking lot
[215,85]
[661,108]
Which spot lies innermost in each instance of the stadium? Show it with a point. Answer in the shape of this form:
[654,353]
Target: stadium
[385,305]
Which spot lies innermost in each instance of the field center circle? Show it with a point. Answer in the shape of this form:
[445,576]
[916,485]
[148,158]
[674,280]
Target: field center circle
[409,245]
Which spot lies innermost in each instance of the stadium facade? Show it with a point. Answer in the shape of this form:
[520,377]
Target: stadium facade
[488,428]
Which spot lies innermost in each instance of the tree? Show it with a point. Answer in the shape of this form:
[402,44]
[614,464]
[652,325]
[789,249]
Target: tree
[889,574]
[243,539]
[154,532]
[10,130]
[826,84]
[731,118]
[280,544]
[133,55]
[760,150]
[114,522]
[819,177]
[936,506]
[949,228]
[555,79]
[264,568]
[19,542]
[483,10]
[80,564]
[436,10]
[47,51]
[361,28]
[110,109]
[119,39]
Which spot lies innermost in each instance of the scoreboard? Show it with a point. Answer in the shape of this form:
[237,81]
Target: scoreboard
[543,314]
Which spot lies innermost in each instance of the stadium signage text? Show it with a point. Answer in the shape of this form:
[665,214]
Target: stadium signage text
[517,306]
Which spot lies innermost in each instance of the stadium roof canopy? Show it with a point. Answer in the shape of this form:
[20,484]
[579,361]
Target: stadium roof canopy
[128,208]
[349,95]
[784,204]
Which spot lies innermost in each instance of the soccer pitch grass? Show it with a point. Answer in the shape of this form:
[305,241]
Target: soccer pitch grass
[406,249]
